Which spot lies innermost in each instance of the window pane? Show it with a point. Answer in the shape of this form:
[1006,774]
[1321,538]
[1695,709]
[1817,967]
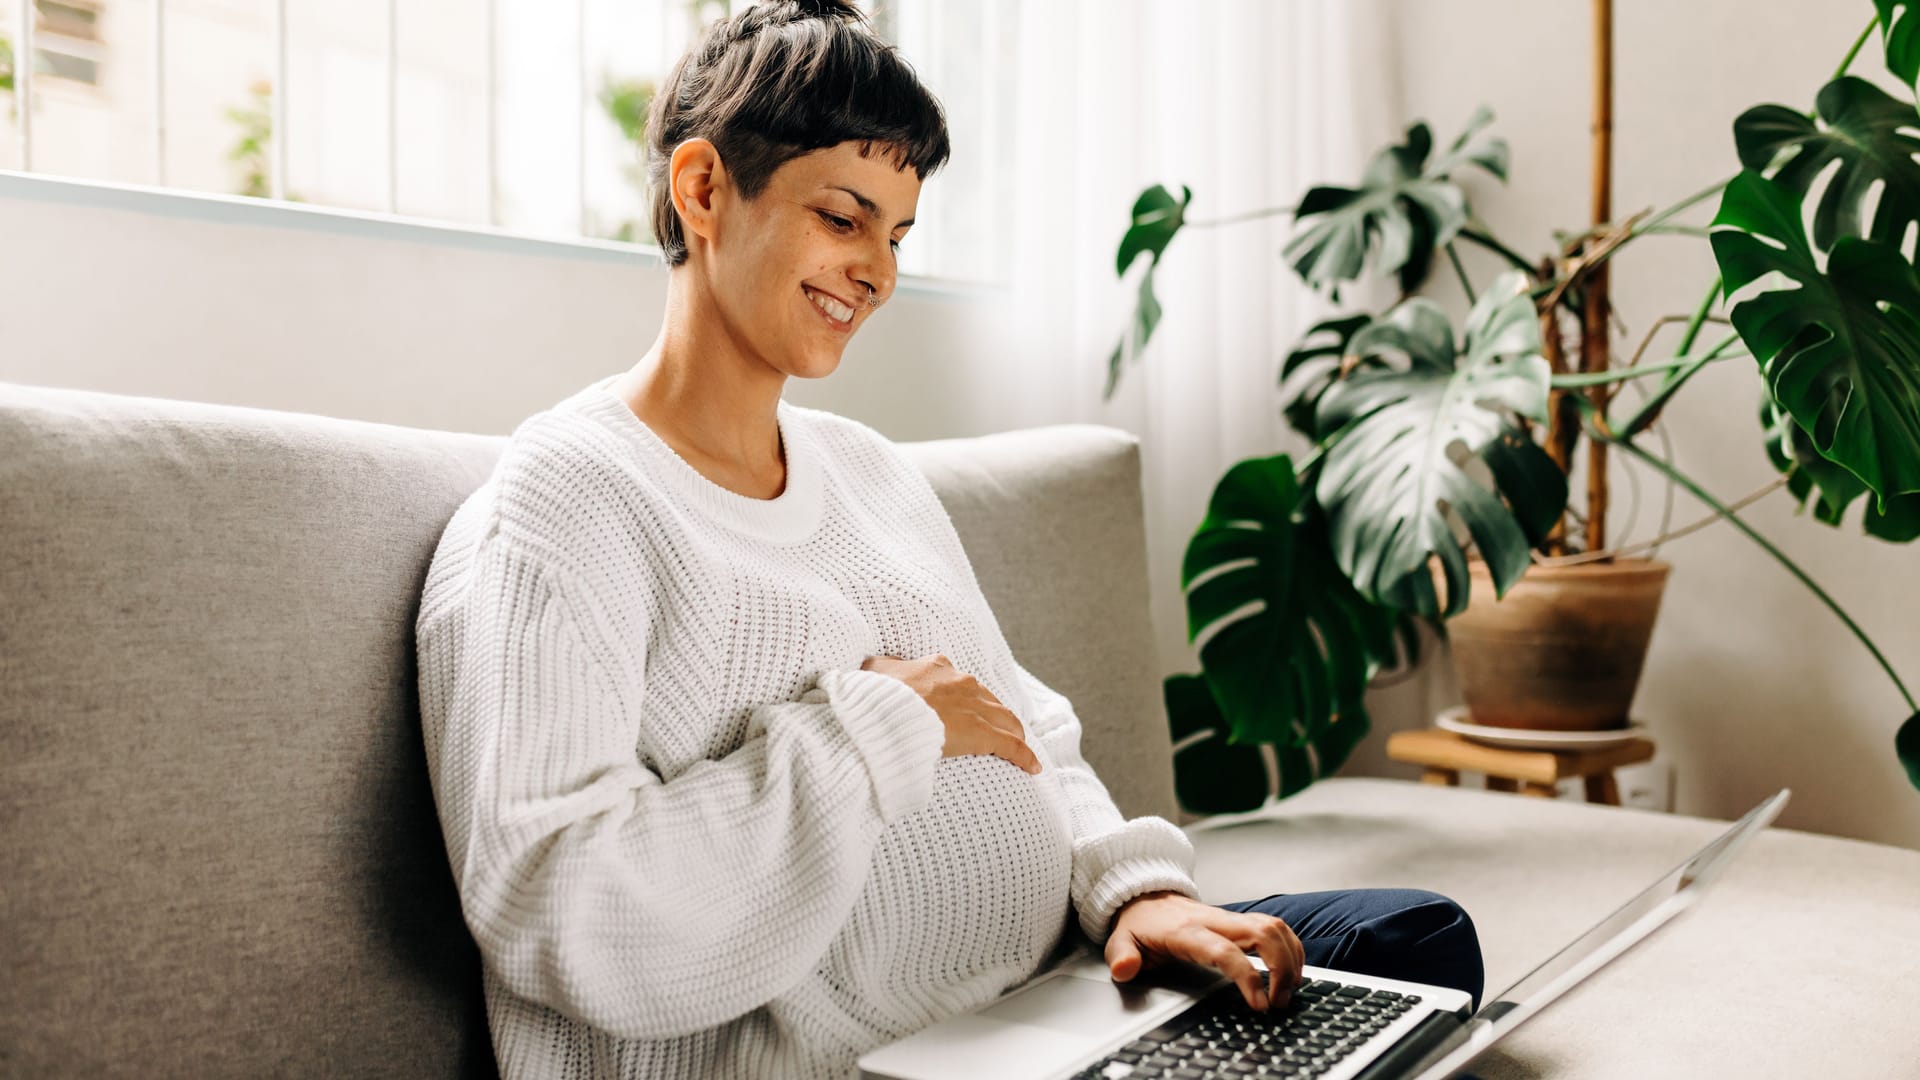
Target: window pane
[962,52]
[219,107]
[337,102]
[92,88]
[442,109]
[625,67]
[567,151]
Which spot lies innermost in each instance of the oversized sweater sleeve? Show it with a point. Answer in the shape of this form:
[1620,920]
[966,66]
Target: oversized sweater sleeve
[647,908]
[1114,859]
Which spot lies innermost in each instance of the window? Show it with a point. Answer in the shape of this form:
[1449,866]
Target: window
[520,114]
[66,41]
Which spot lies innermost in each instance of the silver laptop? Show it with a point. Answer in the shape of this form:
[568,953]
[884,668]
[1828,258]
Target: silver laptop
[1182,1020]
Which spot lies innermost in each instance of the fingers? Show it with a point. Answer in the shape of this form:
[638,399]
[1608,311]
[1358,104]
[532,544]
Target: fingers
[1285,956]
[1123,957]
[1204,945]
[1016,750]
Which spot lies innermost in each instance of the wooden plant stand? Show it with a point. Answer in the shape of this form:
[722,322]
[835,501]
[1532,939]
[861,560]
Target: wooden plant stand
[1529,772]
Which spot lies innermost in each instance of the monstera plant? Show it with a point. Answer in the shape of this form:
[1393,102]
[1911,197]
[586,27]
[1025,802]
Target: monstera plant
[1430,447]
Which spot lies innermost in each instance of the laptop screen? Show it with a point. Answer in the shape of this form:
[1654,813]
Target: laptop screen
[1654,905]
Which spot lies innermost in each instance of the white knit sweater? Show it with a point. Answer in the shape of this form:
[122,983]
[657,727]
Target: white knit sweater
[691,837]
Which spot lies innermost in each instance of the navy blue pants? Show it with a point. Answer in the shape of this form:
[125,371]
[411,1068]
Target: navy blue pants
[1407,934]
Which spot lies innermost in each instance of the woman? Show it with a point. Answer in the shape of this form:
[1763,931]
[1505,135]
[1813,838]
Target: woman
[737,774]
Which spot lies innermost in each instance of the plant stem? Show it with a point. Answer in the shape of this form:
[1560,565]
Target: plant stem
[1683,204]
[1247,215]
[1497,247]
[1563,382]
[1462,271]
[1699,316]
[1680,478]
[1859,41]
[1645,413]
[1696,231]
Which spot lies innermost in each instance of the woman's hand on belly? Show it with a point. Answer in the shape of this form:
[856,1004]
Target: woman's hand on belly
[976,721]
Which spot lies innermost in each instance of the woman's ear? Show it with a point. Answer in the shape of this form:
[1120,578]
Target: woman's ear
[695,179]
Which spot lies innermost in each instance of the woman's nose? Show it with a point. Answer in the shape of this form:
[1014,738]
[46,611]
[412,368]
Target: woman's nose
[875,277]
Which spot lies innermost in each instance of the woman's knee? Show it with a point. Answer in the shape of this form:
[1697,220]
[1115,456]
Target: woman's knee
[1438,929]
[1434,916]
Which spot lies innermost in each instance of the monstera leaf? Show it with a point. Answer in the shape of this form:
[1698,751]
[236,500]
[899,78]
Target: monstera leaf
[1900,30]
[1293,644]
[1841,350]
[1313,366]
[1391,482]
[1831,487]
[1412,207]
[1156,217]
[1867,133]
[1906,743]
[1211,774]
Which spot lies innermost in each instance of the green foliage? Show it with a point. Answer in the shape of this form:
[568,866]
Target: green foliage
[1403,422]
[1841,350]
[1293,644]
[626,102]
[1900,32]
[1906,744]
[1314,366]
[1156,217]
[1831,487]
[1213,774]
[253,148]
[1408,206]
[1392,482]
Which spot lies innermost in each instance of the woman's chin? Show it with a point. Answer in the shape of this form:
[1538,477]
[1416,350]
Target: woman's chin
[815,365]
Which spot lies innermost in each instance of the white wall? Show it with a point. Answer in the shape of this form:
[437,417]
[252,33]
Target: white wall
[233,300]
[1751,685]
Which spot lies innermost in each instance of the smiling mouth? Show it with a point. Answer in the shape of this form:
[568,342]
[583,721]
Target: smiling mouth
[838,314]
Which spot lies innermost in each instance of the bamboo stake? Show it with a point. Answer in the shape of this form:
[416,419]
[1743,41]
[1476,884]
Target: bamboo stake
[1593,341]
[1563,417]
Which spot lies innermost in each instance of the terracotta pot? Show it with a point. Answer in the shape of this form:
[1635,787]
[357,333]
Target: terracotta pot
[1563,649]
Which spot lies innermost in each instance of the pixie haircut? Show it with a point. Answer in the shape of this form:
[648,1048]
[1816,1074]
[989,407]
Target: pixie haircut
[779,80]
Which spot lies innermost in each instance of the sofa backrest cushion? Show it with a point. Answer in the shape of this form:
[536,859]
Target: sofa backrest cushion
[217,838]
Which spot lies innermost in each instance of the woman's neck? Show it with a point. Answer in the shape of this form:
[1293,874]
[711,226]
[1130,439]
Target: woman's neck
[699,388]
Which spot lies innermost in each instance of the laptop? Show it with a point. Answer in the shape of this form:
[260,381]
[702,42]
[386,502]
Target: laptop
[1189,1022]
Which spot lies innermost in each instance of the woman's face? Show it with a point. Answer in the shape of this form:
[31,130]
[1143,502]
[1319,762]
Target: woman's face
[794,274]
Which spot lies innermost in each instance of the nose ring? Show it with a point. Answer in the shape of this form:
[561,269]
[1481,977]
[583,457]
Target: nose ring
[873,296]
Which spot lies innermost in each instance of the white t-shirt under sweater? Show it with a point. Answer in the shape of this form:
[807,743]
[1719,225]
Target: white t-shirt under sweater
[691,837]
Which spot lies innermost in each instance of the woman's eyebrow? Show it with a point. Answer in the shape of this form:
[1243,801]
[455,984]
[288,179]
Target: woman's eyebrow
[866,204]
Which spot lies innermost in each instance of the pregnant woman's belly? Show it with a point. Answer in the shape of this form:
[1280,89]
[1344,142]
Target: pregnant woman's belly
[965,897]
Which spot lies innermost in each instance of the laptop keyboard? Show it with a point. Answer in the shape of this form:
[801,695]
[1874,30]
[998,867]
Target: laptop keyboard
[1222,1038]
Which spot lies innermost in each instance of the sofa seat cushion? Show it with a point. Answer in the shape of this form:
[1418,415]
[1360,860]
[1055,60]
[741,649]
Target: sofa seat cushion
[1800,960]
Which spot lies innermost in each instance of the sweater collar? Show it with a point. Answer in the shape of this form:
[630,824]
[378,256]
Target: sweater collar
[790,517]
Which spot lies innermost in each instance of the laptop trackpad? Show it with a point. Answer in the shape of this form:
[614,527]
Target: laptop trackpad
[1082,1006]
[1041,1029]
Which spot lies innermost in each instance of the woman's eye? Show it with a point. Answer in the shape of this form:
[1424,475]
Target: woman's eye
[835,220]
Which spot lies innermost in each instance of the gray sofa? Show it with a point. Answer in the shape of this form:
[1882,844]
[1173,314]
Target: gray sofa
[218,851]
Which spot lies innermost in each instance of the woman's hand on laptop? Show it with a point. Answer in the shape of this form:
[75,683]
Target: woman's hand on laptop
[1157,926]
[976,721]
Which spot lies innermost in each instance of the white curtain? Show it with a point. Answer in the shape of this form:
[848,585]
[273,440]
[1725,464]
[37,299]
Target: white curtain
[1250,103]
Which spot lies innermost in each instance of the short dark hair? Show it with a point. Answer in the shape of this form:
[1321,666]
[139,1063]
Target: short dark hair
[779,80]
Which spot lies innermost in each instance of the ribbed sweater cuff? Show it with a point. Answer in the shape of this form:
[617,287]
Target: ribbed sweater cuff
[896,731]
[1147,854]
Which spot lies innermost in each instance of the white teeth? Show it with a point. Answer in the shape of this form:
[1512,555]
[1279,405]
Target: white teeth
[832,307]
